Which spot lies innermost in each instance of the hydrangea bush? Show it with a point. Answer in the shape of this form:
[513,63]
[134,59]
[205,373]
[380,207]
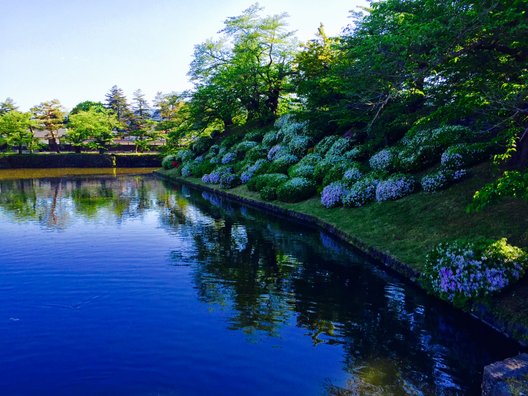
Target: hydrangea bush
[301,170]
[332,194]
[383,160]
[361,193]
[435,181]
[463,270]
[298,145]
[270,138]
[339,147]
[228,158]
[395,187]
[352,175]
[186,171]
[274,152]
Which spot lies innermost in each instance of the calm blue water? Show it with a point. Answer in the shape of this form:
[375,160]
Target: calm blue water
[128,286]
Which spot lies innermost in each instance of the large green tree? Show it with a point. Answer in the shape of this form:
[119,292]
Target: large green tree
[93,128]
[49,116]
[117,102]
[246,72]
[16,129]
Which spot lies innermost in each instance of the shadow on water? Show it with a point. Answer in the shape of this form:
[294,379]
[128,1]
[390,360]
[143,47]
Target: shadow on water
[396,339]
[266,275]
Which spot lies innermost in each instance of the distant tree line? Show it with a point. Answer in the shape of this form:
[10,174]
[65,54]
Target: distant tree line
[91,125]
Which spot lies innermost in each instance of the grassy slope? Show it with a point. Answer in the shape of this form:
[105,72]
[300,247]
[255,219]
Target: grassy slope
[408,228]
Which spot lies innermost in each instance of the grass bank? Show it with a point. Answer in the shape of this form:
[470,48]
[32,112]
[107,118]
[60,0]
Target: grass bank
[402,232]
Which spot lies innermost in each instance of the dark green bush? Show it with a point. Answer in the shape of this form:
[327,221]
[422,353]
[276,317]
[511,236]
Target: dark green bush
[268,193]
[256,153]
[169,162]
[295,190]
[229,180]
[282,163]
[201,145]
[200,169]
[257,183]
[335,173]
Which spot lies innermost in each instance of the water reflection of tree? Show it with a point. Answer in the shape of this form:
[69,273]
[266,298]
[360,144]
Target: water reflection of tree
[56,203]
[267,272]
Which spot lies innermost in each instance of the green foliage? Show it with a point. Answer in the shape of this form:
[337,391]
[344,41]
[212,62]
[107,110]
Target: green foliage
[257,183]
[268,193]
[295,190]
[201,145]
[92,128]
[511,184]
[282,163]
[243,74]
[16,130]
[169,161]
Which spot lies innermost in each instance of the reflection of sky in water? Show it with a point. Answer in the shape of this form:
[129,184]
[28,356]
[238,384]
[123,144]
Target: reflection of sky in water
[208,293]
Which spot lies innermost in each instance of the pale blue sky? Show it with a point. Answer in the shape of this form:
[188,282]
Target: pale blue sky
[75,50]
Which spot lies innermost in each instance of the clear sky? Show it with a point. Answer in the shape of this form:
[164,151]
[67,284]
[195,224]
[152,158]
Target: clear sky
[76,50]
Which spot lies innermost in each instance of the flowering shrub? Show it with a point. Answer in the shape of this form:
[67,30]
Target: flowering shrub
[355,153]
[212,178]
[352,175]
[298,145]
[270,138]
[295,190]
[459,174]
[229,180]
[273,152]
[288,126]
[199,159]
[252,170]
[395,187]
[339,147]
[215,176]
[383,160]
[333,194]
[435,181]
[361,193]
[186,171]
[257,183]
[460,155]
[300,170]
[460,271]
[183,155]
[228,158]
